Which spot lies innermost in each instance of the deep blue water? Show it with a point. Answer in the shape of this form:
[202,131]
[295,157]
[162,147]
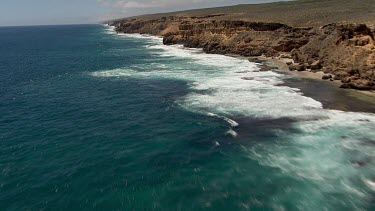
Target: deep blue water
[91,120]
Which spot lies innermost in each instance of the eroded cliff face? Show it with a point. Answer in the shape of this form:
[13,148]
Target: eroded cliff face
[347,51]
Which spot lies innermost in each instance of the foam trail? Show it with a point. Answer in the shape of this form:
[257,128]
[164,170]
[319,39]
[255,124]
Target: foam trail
[370,184]
[230,121]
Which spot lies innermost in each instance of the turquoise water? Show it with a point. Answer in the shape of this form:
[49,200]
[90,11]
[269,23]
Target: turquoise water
[92,120]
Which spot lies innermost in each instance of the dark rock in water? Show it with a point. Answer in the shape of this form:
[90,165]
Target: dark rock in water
[168,40]
[248,78]
[289,63]
[360,163]
[255,60]
[326,77]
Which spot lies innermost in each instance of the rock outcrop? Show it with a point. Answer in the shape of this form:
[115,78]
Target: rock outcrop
[346,51]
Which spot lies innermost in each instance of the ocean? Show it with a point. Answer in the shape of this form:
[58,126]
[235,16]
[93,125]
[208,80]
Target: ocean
[94,120]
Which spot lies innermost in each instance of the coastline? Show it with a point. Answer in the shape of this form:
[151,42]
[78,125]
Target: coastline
[349,99]
[120,121]
[341,46]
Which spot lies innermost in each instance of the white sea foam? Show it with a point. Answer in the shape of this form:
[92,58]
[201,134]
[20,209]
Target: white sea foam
[232,133]
[145,37]
[235,86]
[370,184]
[230,121]
[226,87]
[109,29]
[112,30]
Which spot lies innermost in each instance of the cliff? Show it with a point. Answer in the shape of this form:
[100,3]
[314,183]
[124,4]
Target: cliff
[343,49]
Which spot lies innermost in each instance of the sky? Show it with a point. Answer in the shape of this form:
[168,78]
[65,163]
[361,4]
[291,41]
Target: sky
[51,12]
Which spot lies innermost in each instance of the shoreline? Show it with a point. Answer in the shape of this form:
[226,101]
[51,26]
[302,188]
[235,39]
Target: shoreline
[364,98]
[349,100]
[282,65]
[348,97]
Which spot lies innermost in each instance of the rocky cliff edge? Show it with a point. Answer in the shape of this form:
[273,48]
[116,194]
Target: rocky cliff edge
[344,51]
